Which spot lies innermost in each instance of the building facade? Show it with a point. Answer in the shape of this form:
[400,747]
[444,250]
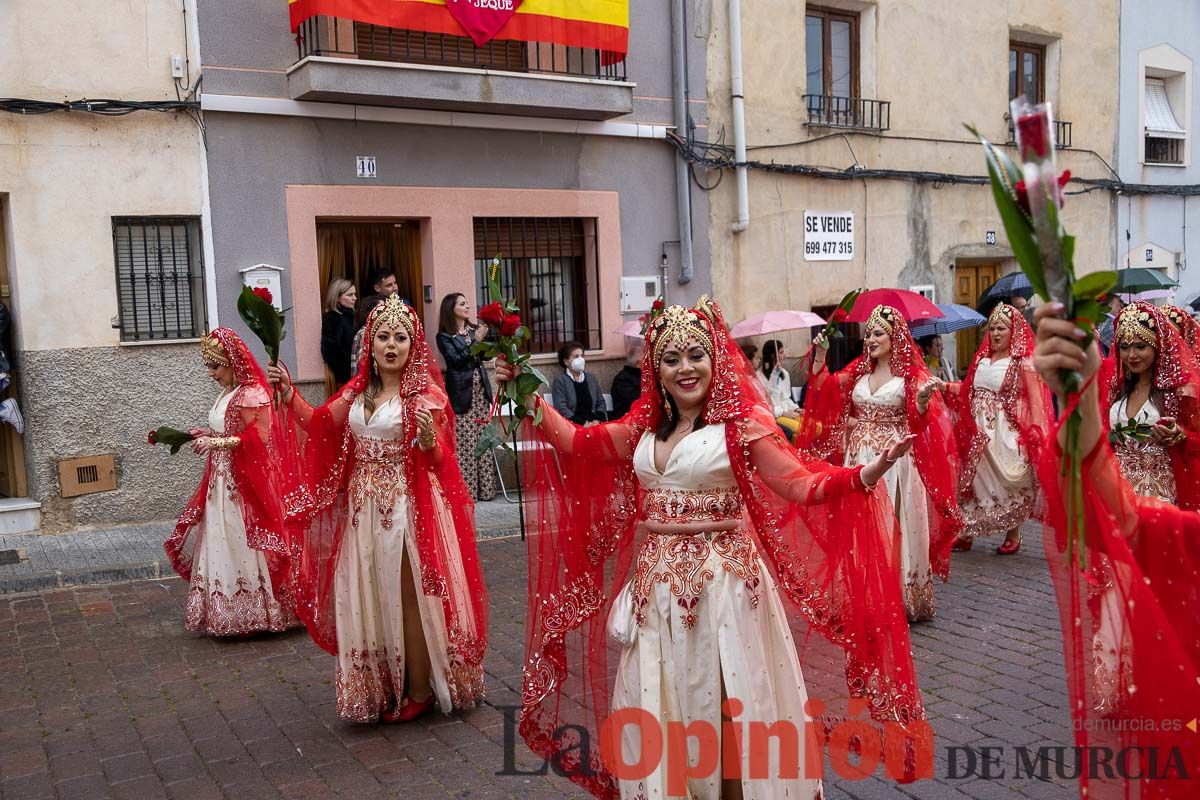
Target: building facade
[103,262]
[351,146]
[875,99]
[1159,45]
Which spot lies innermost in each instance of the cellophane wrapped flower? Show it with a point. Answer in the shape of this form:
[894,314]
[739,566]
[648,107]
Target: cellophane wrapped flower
[507,338]
[1029,197]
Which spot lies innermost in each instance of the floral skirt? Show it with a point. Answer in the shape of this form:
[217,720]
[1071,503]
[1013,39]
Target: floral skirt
[479,473]
[231,592]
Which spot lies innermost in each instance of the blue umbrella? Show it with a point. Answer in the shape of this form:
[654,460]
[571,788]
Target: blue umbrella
[954,318]
[1012,284]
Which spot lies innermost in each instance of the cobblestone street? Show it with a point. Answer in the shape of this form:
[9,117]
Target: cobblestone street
[105,695]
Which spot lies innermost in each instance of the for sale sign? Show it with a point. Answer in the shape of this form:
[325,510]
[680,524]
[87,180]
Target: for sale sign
[828,235]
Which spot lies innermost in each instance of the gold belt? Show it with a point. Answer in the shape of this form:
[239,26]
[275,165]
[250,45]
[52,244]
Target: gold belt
[674,506]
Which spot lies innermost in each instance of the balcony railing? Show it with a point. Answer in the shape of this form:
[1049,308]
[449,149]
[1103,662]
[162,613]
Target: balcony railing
[1062,132]
[342,38]
[856,113]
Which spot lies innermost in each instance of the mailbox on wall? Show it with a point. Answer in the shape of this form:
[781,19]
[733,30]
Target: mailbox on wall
[265,276]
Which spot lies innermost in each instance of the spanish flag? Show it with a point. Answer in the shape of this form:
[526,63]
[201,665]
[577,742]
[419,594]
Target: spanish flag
[599,24]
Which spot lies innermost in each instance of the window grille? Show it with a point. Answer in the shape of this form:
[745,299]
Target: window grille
[160,278]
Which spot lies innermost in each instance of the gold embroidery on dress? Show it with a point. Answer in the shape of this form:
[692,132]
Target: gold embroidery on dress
[681,560]
[918,597]
[878,427]
[720,504]
[248,610]
[378,475]
[1146,465]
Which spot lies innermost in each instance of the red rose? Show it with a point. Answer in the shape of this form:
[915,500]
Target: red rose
[151,438]
[510,324]
[264,293]
[838,316]
[658,305]
[492,314]
[1033,132]
[1023,197]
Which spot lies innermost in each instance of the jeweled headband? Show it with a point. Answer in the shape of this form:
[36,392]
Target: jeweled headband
[1135,324]
[392,312]
[1175,314]
[1001,313]
[677,325]
[883,316]
[213,352]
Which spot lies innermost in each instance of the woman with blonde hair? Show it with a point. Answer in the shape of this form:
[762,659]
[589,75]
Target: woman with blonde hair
[337,329]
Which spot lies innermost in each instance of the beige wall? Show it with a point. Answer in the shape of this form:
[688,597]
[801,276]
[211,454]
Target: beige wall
[66,175]
[940,63]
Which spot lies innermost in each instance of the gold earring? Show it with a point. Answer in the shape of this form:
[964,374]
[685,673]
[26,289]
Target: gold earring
[666,401]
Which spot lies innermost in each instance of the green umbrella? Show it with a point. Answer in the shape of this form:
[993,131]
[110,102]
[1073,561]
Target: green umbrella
[1140,279]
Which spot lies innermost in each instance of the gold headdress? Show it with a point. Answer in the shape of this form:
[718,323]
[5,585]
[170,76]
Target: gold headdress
[1136,324]
[1175,314]
[677,325]
[883,316]
[392,312]
[1002,312]
[213,352]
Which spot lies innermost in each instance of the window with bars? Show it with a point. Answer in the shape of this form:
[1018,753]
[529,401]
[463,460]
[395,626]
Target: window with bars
[550,266]
[160,278]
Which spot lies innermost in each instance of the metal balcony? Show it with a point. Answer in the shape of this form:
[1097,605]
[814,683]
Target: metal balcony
[851,113]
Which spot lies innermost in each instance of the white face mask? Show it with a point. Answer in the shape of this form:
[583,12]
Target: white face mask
[577,364]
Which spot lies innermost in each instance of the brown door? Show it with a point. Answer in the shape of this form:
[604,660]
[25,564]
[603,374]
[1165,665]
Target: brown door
[970,281]
[12,449]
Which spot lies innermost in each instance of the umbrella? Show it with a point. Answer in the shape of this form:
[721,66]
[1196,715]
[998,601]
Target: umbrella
[1140,279]
[631,328]
[1015,283]
[1149,294]
[911,305]
[955,317]
[774,321]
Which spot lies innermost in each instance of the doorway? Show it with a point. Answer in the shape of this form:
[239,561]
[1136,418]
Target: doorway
[12,447]
[970,281]
[354,250]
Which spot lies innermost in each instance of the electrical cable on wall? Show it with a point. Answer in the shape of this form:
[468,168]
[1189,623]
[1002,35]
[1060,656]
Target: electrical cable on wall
[103,107]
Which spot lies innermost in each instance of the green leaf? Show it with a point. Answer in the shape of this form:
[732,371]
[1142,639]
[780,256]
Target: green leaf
[521,333]
[1094,285]
[537,415]
[1016,227]
[489,439]
[527,383]
[1090,310]
[535,371]
[485,349]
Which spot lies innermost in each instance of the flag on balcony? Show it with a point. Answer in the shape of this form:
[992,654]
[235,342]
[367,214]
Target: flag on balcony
[598,24]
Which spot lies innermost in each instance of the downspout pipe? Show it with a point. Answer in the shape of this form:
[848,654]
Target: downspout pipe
[679,96]
[739,115]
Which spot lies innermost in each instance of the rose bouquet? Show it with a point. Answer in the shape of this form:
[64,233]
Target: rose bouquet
[172,437]
[257,310]
[1029,196]
[508,336]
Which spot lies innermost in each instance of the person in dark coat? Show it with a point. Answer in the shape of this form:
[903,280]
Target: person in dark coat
[627,384]
[577,393]
[337,329]
[469,389]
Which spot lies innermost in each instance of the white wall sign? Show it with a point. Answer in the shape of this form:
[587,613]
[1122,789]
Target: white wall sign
[828,235]
[366,166]
[265,276]
[990,237]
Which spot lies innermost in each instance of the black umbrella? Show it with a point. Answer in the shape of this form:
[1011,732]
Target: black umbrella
[1011,285]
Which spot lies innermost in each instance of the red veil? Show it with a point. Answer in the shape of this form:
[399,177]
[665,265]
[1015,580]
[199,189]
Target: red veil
[253,470]
[828,544]
[1024,398]
[1176,389]
[823,435]
[1138,599]
[1189,329]
[436,493]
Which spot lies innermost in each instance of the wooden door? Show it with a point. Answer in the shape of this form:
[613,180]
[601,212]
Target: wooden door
[970,281]
[12,449]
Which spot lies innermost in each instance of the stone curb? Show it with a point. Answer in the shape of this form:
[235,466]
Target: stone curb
[146,570]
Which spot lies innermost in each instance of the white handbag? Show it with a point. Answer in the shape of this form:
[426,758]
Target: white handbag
[622,624]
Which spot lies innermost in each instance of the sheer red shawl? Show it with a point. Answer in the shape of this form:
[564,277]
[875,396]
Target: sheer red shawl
[827,409]
[1177,384]
[435,485]
[1024,399]
[829,546]
[253,469]
[1143,581]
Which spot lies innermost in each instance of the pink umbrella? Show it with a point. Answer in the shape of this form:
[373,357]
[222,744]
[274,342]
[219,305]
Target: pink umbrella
[911,305]
[775,321]
[631,328]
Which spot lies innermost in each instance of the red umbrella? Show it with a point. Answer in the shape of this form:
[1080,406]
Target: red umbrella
[911,305]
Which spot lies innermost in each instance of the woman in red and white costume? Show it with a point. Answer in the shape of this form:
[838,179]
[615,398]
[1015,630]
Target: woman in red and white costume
[1153,395]
[1131,615]
[388,573]
[719,519]
[883,394]
[1002,406]
[230,542]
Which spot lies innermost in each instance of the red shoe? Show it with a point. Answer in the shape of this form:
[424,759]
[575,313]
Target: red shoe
[1009,548]
[963,543]
[412,710]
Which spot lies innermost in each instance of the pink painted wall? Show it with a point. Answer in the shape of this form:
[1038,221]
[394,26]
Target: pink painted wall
[447,246]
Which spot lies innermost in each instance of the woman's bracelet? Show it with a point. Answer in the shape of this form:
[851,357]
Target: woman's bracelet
[224,442]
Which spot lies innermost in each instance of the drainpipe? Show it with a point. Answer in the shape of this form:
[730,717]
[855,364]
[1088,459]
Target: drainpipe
[739,118]
[683,196]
